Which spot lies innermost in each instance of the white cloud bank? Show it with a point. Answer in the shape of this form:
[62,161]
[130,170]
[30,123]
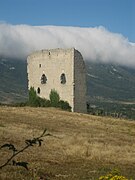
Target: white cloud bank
[95,44]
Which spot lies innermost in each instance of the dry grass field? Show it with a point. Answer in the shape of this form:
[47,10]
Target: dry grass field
[82,146]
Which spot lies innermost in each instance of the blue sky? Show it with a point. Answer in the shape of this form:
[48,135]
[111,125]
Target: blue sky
[115,15]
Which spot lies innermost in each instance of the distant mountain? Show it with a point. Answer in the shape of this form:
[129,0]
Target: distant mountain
[13,81]
[105,82]
[108,81]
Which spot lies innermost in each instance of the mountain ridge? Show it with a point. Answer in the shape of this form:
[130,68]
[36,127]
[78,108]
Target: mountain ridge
[106,82]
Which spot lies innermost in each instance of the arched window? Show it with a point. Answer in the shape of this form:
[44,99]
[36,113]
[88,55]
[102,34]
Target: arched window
[38,90]
[43,79]
[63,78]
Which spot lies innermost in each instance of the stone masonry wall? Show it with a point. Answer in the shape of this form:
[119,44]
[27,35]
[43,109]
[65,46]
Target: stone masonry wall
[53,63]
[80,83]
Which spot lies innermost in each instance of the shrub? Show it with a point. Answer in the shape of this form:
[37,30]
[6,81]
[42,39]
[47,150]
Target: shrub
[64,105]
[36,101]
[20,104]
[33,98]
[44,102]
[54,98]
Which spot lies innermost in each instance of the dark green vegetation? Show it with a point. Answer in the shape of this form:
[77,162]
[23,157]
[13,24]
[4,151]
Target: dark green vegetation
[54,98]
[110,88]
[54,101]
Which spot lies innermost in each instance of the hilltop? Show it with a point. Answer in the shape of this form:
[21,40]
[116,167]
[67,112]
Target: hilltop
[82,146]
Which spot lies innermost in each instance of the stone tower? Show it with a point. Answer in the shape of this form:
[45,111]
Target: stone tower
[62,70]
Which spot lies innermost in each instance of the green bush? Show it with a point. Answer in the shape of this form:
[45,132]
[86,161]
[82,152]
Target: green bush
[36,101]
[43,102]
[64,105]
[21,104]
[33,98]
[54,98]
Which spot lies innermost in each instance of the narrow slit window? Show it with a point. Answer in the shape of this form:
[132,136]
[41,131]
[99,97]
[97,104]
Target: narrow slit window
[38,90]
[43,79]
[63,78]
[39,65]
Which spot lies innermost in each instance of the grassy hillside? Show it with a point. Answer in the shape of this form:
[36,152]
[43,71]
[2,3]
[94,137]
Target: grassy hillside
[83,146]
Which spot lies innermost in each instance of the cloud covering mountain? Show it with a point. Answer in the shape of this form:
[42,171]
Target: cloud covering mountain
[95,44]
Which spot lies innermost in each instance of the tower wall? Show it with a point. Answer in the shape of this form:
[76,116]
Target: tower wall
[80,83]
[53,63]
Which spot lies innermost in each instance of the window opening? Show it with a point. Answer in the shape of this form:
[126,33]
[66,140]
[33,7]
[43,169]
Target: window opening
[40,65]
[43,79]
[63,78]
[38,90]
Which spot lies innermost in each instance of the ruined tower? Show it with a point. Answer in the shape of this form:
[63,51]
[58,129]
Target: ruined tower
[62,70]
